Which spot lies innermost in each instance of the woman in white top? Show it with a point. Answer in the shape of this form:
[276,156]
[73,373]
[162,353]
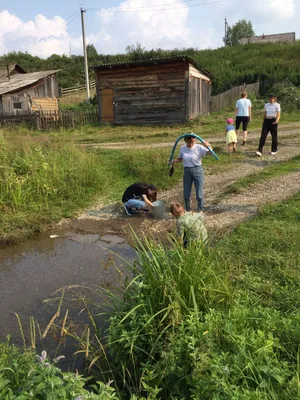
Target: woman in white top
[191,155]
[270,124]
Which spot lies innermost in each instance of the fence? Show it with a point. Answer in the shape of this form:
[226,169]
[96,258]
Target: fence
[48,120]
[77,88]
[228,99]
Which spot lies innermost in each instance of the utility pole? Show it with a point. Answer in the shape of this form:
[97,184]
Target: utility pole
[225,31]
[86,69]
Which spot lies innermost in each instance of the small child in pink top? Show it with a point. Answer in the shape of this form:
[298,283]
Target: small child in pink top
[231,138]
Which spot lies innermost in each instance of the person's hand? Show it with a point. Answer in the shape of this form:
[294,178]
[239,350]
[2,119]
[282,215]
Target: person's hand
[207,144]
[275,122]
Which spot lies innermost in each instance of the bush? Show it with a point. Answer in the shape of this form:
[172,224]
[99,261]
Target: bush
[288,95]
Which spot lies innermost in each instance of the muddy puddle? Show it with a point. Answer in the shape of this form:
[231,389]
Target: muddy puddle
[32,271]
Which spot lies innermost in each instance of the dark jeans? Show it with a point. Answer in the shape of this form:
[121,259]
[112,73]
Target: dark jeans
[193,175]
[268,126]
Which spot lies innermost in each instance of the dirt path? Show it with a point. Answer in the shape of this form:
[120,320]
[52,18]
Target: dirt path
[220,213]
[285,130]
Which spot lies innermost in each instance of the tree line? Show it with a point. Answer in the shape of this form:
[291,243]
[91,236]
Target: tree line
[230,65]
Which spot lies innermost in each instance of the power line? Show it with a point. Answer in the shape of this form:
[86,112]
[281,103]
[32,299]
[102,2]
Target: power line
[65,23]
[157,9]
[156,5]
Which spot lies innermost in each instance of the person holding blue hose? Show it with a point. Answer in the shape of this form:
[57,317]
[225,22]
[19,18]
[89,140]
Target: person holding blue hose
[191,155]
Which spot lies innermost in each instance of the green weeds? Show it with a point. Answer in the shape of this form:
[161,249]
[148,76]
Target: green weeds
[24,376]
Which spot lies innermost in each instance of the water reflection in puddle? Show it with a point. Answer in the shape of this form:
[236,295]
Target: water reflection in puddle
[31,272]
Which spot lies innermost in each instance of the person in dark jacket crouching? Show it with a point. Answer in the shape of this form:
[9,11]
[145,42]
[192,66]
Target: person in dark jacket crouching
[139,196]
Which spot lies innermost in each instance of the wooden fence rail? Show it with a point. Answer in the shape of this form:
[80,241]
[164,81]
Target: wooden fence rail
[77,88]
[228,99]
[48,120]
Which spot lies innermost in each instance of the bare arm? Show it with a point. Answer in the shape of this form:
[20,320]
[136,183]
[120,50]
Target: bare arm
[236,110]
[250,112]
[265,113]
[146,200]
[277,117]
[177,160]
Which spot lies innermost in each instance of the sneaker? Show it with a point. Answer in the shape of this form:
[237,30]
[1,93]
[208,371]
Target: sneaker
[128,210]
[273,153]
[258,153]
[244,143]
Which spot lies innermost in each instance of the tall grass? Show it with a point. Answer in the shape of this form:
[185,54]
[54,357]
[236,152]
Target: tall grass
[203,323]
[44,178]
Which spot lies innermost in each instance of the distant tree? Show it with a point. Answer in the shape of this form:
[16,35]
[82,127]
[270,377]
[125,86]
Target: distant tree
[242,29]
[91,51]
[136,52]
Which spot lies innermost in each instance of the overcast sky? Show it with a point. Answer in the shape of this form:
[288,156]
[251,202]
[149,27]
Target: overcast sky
[43,28]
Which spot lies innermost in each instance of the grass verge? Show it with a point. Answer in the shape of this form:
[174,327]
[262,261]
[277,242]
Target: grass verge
[271,172]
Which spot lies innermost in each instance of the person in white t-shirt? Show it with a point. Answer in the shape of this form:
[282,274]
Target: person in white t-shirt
[270,124]
[243,110]
[191,155]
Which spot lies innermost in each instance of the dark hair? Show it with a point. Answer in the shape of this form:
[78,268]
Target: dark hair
[152,197]
[146,188]
[189,137]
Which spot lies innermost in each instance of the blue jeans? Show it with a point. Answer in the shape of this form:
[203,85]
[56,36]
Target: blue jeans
[193,175]
[135,203]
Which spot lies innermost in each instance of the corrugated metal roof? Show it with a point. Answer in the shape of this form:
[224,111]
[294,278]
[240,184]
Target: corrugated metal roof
[19,81]
[153,61]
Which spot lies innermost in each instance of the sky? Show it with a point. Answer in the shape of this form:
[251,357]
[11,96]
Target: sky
[43,28]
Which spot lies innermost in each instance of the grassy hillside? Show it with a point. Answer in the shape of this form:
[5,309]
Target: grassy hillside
[231,65]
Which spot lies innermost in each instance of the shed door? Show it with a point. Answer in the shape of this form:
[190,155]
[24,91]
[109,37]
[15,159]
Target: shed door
[107,105]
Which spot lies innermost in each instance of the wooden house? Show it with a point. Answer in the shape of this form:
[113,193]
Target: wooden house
[156,91]
[7,70]
[26,92]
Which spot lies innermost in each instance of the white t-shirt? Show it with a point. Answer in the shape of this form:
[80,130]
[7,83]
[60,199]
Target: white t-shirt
[192,157]
[272,109]
[243,107]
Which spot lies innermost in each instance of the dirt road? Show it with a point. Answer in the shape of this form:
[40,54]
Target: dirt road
[285,130]
[221,213]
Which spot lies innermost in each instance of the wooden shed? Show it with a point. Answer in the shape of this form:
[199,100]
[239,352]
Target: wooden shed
[24,92]
[7,70]
[156,91]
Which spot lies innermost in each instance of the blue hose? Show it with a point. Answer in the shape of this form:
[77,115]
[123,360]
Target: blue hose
[197,137]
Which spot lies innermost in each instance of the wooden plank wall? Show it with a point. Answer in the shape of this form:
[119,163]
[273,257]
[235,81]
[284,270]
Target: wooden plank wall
[199,97]
[44,103]
[46,88]
[146,94]
[229,98]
